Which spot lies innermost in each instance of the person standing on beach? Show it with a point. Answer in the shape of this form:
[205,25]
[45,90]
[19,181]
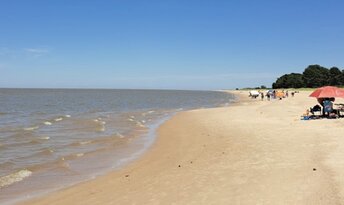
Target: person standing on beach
[268,95]
[274,94]
[286,93]
[262,95]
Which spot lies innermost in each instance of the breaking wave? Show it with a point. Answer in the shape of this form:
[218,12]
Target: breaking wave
[14,177]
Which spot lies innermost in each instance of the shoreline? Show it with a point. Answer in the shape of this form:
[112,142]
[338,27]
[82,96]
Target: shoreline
[34,199]
[246,153]
[145,142]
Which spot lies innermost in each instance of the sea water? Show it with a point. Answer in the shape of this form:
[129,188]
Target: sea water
[53,138]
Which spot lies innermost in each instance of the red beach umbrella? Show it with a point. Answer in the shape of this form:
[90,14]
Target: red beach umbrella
[328,92]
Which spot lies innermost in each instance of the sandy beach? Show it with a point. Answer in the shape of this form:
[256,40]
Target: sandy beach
[253,152]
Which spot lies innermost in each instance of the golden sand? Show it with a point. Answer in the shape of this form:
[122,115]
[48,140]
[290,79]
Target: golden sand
[253,152]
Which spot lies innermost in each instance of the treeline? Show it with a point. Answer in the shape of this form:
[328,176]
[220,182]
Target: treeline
[312,77]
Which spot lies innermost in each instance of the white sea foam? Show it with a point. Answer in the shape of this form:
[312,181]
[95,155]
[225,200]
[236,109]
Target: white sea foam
[149,112]
[31,128]
[95,120]
[120,135]
[139,124]
[48,123]
[143,121]
[132,116]
[67,116]
[85,142]
[131,120]
[102,128]
[103,122]
[14,177]
[58,119]
[79,154]
[44,138]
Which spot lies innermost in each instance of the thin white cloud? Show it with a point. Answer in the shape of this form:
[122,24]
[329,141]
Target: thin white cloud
[36,52]
[200,81]
[13,53]
[238,76]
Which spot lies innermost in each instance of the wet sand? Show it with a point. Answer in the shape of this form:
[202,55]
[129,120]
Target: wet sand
[253,152]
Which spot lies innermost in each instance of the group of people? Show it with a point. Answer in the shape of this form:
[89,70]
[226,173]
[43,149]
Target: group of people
[272,94]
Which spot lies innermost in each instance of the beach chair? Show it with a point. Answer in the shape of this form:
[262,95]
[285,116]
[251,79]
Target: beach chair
[315,109]
[340,109]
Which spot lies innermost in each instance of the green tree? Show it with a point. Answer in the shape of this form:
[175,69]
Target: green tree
[295,80]
[335,76]
[292,80]
[316,76]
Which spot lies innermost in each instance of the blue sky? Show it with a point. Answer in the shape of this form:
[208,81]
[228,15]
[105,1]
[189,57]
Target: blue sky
[165,44]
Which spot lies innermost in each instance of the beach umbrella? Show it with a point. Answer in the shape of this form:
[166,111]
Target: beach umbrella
[328,92]
[280,94]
